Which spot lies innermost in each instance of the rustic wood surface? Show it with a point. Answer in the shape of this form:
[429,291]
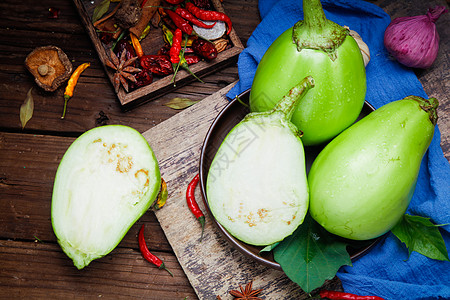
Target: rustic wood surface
[32,265]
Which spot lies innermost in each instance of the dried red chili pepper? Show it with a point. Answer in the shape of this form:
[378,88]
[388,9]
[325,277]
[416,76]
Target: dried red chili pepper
[157,64]
[334,295]
[106,37]
[124,45]
[174,2]
[185,14]
[209,15]
[179,22]
[205,4]
[191,59]
[147,254]
[143,78]
[53,13]
[176,47]
[204,48]
[192,204]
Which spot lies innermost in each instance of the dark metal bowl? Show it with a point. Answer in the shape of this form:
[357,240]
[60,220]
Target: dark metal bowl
[231,115]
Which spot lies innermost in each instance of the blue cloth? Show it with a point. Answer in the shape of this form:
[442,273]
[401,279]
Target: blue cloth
[386,270]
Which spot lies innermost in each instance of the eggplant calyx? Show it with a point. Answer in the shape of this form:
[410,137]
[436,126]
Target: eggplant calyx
[316,32]
[429,106]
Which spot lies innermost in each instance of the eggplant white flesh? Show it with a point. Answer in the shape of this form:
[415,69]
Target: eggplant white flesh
[108,178]
[256,185]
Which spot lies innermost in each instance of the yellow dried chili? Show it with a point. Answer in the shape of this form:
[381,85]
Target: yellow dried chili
[136,45]
[71,85]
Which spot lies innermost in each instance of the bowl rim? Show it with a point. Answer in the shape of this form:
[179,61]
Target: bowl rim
[241,246]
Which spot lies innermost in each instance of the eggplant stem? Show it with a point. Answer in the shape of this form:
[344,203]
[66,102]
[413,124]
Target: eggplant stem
[290,101]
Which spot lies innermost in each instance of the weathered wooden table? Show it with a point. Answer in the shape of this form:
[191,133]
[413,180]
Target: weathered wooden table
[32,265]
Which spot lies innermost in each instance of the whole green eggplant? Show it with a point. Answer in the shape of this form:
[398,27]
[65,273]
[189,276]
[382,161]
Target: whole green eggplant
[318,47]
[361,183]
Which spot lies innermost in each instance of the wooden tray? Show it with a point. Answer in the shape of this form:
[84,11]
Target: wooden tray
[150,45]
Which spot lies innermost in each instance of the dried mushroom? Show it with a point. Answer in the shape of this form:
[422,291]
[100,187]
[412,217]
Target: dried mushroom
[129,14]
[50,67]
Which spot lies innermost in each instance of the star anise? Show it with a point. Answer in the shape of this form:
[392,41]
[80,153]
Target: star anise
[246,293]
[124,69]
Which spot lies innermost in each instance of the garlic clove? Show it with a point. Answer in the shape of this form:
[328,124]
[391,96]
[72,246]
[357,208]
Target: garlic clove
[361,44]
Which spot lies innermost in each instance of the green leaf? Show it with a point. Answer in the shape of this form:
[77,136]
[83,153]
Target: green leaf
[180,103]
[26,109]
[311,255]
[269,248]
[422,236]
[100,10]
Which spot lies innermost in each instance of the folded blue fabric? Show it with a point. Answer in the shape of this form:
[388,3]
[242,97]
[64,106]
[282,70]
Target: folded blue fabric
[386,271]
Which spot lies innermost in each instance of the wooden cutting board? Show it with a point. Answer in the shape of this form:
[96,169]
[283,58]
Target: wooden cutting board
[212,265]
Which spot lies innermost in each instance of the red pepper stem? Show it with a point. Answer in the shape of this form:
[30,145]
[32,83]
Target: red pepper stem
[183,62]
[202,220]
[163,266]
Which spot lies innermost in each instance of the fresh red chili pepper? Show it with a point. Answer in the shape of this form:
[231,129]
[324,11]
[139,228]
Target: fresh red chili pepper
[334,295]
[179,22]
[147,254]
[157,64]
[191,59]
[192,204]
[209,15]
[164,50]
[176,47]
[168,35]
[174,2]
[204,48]
[186,14]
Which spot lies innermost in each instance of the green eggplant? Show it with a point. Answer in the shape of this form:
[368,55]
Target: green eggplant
[256,185]
[107,179]
[362,182]
[321,48]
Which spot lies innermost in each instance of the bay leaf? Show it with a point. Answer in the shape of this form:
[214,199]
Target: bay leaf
[180,103]
[26,109]
[100,10]
[311,255]
[421,235]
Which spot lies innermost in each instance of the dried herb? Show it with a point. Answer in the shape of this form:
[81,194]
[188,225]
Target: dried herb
[180,103]
[100,10]
[26,109]
[246,293]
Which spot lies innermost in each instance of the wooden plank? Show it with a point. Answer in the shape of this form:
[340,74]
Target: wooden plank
[27,171]
[212,265]
[42,271]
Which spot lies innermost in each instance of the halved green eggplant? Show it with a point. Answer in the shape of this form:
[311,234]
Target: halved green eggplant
[106,181]
[256,185]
